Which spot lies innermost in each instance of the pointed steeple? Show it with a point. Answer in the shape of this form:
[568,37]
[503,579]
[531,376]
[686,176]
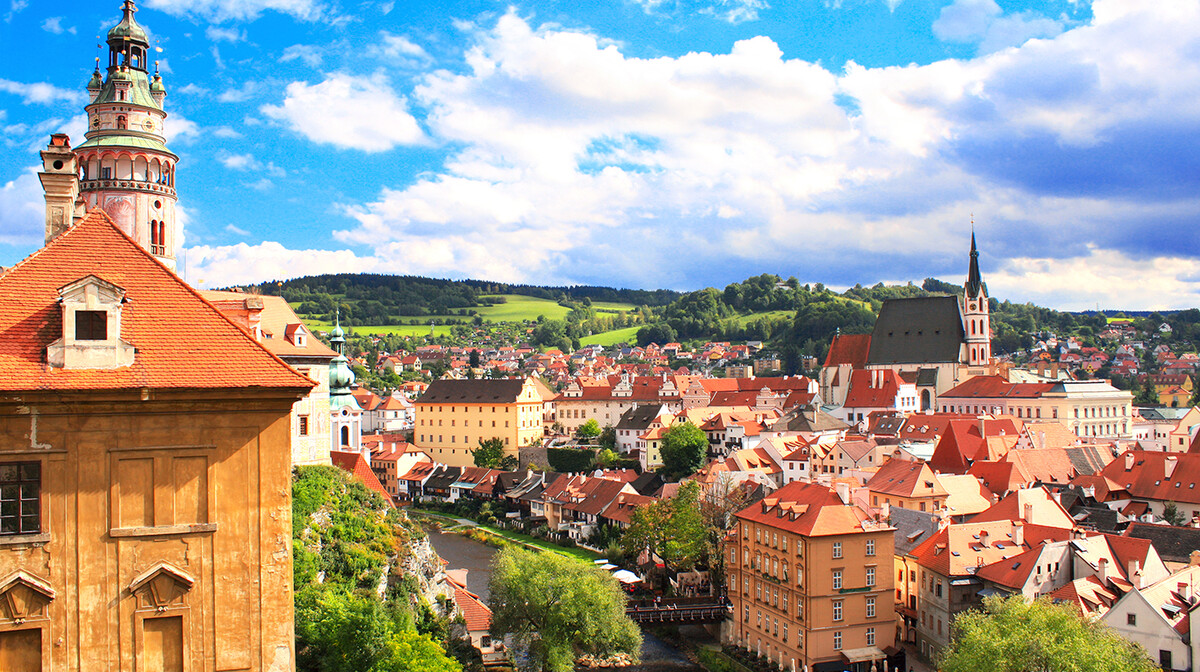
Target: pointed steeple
[974,284]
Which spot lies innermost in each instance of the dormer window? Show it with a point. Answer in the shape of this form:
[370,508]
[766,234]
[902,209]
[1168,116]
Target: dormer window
[91,327]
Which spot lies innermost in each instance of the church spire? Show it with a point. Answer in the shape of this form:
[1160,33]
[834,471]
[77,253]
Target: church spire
[974,284]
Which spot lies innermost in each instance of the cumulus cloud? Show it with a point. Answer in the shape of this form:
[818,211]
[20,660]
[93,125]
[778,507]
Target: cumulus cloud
[310,54]
[41,93]
[54,25]
[219,34]
[247,162]
[240,10]
[23,210]
[984,23]
[732,11]
[243,264]
[349,112]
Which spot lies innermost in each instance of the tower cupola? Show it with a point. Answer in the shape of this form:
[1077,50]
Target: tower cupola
[127,41]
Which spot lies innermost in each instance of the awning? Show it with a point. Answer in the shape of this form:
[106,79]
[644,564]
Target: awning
[608,567]
[866,653]
[626,576]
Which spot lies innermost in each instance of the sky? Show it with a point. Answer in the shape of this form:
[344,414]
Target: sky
[654,143]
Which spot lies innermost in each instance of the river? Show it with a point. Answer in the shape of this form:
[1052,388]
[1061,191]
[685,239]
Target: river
[463,553]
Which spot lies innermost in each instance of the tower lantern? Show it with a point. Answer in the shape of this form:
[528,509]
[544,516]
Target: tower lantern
[123,165]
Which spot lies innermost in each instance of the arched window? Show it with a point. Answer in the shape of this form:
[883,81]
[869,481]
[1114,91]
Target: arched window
[345,435]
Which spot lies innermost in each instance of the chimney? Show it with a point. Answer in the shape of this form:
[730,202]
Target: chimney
[843,491]
[1018,533]
[1102,570]
[1128,460]
[885,512]
[1027,513]
[1042,440]
[1185,591]
[983,538]
[1135,576]
[1169,466]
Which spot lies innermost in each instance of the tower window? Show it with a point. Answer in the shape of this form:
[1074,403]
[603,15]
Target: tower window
[121,122]
[91,325]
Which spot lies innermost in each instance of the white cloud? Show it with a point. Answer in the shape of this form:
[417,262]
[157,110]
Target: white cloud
[192,90]
[242,94]
[732,11]
[219,34]
[348,111]
[54,25]
[41,93]
[399,49]
[1109,279]
[179,129]
[226,132]
[983,22]
[247,162]
[310,54]
[214,266]
[240,10]
[23,210]
[237,231]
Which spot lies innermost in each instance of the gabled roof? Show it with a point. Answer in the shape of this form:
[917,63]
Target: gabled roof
[901,478]
[276,319]
[808,419]
[1174,544]
[849,349]
[968,441]
[354,463]
[621,510]
[182,341]
[809,509]
[917,330]
[873,389]
[1146,479]
[913,527]
[478,391]
[1032,505]
[996,387]
[965,494]
[639,417]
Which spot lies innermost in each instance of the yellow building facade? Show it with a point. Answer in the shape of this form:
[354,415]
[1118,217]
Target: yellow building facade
[453,416]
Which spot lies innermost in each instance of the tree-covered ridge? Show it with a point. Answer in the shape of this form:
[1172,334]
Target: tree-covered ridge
[353,612]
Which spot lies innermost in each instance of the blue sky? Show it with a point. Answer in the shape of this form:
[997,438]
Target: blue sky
[655,143]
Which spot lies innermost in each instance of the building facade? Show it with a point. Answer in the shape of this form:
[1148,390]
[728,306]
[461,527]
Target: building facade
[145,509]
[810,578]
[453,416]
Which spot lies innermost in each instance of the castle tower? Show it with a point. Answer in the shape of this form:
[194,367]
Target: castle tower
[345,413]
[124,166]
[976,317]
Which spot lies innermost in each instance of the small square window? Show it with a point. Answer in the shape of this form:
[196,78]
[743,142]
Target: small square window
[91,325]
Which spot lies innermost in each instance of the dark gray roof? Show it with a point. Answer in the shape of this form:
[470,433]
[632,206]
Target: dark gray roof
[926,329]
[639,417]
[1174,544]
[1087,460]
[912,528]
[648,483]
[808,419]
[442,478]
[481,391]
[927,377]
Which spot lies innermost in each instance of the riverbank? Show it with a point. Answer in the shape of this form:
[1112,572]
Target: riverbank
[575,552]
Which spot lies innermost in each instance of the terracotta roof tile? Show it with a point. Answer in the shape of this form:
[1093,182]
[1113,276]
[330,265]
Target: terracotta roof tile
[182,340]
[358,467]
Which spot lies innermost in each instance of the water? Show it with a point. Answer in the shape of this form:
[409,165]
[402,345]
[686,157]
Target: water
[463,553]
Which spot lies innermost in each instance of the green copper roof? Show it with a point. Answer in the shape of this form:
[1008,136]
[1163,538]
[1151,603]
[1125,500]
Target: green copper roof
[132,141]
[156,84]
[128,27]
[138,92]
[96,81]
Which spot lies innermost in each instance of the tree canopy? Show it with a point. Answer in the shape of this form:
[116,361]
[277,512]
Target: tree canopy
[557,608]
[1012,635]
[673,529]
[588,430]
[684,447]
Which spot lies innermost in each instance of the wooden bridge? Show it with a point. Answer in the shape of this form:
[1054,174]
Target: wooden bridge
[678,610]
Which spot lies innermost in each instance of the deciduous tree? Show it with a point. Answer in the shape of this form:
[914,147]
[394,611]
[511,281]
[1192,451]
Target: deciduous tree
[557,609]
[1012,635]
[684,447]
[490,453]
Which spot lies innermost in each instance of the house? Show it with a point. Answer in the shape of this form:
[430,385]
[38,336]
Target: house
[809,575]
[1159,617]
[877,390]
[637,421]
[1089,408]
[453,416]
[907,485]
[147,462]
[277,327]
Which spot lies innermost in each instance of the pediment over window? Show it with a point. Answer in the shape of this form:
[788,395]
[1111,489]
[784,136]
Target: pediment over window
[91,327]
[24,596]
[163,585]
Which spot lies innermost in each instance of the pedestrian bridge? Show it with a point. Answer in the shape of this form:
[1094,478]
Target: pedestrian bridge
[678,610]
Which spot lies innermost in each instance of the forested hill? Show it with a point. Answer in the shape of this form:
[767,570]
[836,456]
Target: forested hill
[415,296]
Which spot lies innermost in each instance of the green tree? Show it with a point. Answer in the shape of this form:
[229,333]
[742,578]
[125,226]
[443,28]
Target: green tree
[588,430]
[490,453]
[1148,395]
[1173,515]
[557,608]
[673,529]
[608,438]
[684,447]
[1011,635]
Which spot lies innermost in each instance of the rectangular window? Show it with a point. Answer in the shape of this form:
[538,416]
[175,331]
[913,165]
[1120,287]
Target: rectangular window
[1131,619]
[870,607]
[20,498]
[837,640]
[837,549]
[91,325]
[785,628]
[304,425]
[870,547]
[837,579]
[870,576]
[870,636]
[837,610]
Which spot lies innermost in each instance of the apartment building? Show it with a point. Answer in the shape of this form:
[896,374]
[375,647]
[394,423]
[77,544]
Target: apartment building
[810,578]
[453,416]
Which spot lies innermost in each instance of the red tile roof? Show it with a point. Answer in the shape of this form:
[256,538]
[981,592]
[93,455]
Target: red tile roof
[873,389]
[809,509]
[1147,479]
[355,464]
[849,349]
[182,341]
[992,387]
[903,478]
[968,441]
